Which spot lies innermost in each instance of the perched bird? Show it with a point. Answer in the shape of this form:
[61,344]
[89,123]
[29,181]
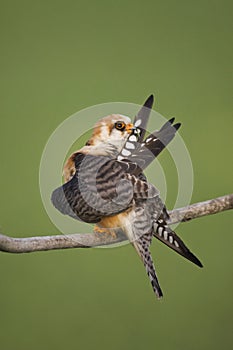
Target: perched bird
[105,185]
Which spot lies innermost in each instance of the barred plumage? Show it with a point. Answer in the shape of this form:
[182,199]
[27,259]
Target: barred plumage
[105,185]
[142,247]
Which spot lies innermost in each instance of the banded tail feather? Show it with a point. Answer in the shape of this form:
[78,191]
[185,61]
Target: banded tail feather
[142,245]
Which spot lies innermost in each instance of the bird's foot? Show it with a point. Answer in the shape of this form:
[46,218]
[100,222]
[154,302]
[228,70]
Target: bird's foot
[105,231]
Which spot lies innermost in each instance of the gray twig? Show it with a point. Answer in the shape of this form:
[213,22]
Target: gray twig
[34,244]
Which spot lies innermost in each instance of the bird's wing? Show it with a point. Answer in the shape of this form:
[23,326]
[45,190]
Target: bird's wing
[142,117]
[140,155]
[100,187]
[139,131]
[165,234]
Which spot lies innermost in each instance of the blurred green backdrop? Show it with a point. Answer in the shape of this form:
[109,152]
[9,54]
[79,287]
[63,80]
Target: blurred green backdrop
[58,57]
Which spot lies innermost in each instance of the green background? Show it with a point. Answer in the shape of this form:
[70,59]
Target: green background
[58,57]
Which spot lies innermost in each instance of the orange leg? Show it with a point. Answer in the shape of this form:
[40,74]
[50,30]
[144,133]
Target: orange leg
[105,231]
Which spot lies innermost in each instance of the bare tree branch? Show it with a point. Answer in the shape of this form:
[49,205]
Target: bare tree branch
[212,206]
[33,244]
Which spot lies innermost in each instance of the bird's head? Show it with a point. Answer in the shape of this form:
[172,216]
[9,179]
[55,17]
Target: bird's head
[108,138]
[109,135]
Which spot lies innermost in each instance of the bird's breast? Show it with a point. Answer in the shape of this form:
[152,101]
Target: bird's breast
[121,221]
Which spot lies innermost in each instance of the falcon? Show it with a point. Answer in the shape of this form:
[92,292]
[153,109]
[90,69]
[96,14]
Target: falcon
[105,185]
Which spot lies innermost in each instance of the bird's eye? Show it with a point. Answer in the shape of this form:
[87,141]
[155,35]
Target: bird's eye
[120,126]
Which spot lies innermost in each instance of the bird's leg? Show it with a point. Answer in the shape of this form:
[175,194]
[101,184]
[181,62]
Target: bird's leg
[106,231]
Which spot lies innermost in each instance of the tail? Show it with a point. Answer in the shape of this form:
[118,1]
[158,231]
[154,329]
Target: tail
[142,247]
[165,234]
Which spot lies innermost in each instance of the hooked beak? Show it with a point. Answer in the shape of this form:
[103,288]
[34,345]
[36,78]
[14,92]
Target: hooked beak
[129,127]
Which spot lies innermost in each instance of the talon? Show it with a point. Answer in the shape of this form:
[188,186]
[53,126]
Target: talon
[109,232]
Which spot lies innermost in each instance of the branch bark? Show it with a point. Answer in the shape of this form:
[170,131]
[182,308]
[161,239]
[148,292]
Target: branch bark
[34,244]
